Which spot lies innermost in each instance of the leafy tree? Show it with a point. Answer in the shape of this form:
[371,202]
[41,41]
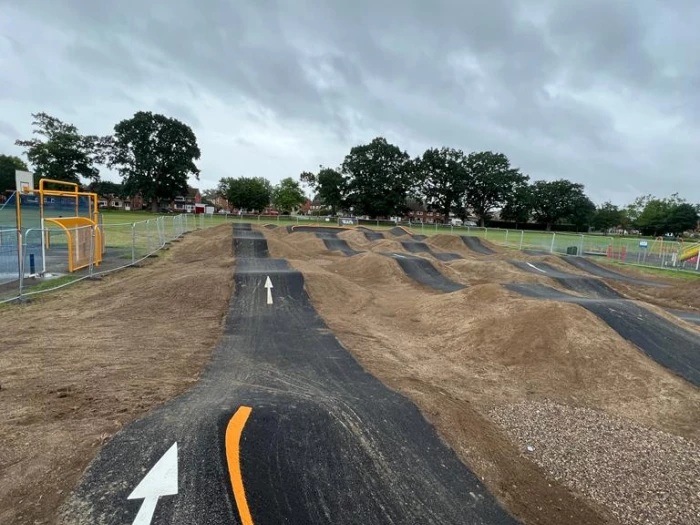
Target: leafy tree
[105,187]
[64,154]
[607,216]
[492,182]
[683,217]
[518,206]
[287,195]
[380,176]
[247,193]
[670,215]
[8,166]
[557,200]
[582,212]
[155,155]
[442,179]
[330,187]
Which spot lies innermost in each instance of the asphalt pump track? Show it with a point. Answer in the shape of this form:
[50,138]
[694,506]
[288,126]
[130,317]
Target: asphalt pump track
[421,247]
[668,344]
[283,426]
[475,245]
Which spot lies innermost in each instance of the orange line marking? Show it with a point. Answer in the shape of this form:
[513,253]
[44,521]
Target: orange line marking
[233,457]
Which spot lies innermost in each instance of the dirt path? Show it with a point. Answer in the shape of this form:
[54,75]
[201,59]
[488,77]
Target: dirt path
[77,366]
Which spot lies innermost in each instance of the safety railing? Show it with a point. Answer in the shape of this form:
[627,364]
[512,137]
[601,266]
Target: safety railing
[40,262]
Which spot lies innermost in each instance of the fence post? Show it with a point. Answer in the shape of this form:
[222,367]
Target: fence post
[92,251]
[551,248]
[20,260]
[583,240]
[133,242]
[522,238]
[506,241]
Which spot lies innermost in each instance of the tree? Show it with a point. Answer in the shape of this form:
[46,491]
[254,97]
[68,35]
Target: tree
[380,176]
[492,182]
[683,217]
[247,193]
[518,206]
[670,215]
[607,216]
[288,196]
[155,155]
[442,179]
[582,212]
[329,185]
[8,166]
[557,200]
[64,154]
[105,187]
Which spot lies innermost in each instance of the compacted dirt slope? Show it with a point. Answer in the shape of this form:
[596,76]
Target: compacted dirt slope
[476,359]
[78,365]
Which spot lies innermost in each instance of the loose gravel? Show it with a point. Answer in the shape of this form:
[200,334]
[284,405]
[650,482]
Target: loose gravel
[642,476]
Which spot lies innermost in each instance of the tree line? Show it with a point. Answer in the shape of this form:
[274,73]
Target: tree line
[379,180]
[154,155]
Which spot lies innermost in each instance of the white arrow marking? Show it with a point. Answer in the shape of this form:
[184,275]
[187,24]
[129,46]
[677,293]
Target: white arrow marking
[160,481]
[535,267]
[268,285]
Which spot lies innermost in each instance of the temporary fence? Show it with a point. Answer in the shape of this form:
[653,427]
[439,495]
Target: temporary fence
[659,253]
[47,257]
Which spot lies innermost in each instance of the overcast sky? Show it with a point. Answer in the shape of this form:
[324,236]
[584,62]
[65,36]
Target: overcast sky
[603,92]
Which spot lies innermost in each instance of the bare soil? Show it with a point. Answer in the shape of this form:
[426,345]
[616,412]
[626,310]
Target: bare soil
[75,367]
[462,355]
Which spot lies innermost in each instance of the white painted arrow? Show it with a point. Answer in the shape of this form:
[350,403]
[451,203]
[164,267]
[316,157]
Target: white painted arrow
[268,285]
[536,268]
[160,481]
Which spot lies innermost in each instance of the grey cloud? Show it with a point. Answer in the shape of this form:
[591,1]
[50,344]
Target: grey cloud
[8,130]
[524,77]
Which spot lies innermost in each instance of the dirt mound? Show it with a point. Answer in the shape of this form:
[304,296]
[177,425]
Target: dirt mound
[298,245]
[119,348]
[482,272]
[355,239]
[386,245]
[370,269]
[450,243]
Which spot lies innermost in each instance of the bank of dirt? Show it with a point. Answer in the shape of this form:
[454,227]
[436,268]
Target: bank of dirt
[76,366]
[461,355]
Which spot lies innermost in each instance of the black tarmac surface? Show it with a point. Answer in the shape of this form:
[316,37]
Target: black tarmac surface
[398,232]
[582,263]
[691,317]
[421,247]
[475,245]
[590,286]
[317,229]
[666,343]
[339,245]
[326,443]
[373,236]
[423,272]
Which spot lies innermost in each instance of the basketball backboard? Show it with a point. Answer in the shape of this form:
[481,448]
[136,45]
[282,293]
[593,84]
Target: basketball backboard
[25,181]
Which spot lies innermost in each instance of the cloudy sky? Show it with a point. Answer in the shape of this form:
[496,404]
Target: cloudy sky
[603,92]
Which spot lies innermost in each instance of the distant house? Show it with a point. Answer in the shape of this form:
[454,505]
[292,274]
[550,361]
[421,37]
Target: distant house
[418,212]
[221,203]
[114,202]
[186,203]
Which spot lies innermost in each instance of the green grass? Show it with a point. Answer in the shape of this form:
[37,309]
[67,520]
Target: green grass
[51,283]
[687,275]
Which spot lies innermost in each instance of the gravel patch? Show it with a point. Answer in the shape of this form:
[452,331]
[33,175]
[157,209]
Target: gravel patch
[642,476]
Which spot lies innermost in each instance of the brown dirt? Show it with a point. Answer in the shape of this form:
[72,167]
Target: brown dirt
[75,367]
[460,355]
